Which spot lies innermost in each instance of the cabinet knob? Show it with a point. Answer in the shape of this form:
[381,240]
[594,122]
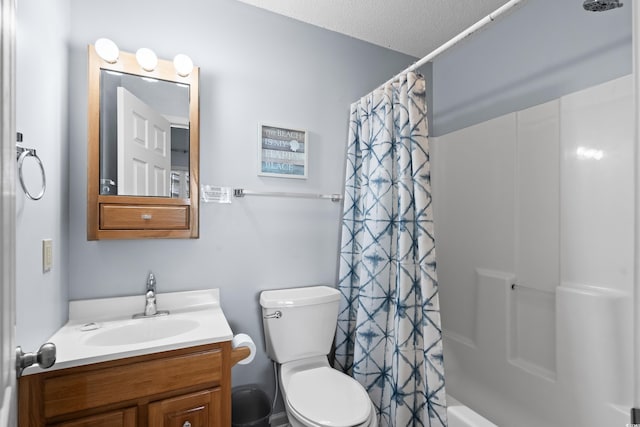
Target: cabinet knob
[186,424]
[147,217]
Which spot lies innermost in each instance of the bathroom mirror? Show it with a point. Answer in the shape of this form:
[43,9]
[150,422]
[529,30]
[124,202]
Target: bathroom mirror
[153,160]
[143,150]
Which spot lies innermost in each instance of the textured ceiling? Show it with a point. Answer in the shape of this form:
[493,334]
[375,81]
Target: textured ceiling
[414,27]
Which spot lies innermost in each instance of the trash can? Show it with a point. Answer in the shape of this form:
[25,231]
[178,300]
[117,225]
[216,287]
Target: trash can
[250,407]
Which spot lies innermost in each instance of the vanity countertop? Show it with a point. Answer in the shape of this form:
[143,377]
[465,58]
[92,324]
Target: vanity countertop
[102,329]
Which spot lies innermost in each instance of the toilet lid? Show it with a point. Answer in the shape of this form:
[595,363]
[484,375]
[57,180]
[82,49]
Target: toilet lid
[326,397]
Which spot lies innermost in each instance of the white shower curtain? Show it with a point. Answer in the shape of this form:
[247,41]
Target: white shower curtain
[389,335]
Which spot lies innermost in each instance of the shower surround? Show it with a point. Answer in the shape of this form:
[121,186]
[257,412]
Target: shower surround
[534,225]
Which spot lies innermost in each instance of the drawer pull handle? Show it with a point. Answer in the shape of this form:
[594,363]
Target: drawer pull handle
[186,424]
[147,217]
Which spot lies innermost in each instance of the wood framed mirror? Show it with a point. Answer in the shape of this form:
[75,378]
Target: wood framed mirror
[143,150]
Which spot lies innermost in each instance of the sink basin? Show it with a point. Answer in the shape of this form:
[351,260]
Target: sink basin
[101,329]
[142,330]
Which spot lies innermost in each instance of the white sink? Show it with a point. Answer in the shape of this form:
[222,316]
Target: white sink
[142,330]
[100,330]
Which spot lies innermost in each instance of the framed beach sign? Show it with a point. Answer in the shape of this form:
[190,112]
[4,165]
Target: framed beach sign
[282,152]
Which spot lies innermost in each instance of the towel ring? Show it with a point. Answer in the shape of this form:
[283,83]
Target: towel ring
[23,153]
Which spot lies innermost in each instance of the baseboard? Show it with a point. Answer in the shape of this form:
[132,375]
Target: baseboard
[279,420]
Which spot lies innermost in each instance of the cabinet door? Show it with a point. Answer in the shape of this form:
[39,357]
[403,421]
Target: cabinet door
[201,409]
[123,418]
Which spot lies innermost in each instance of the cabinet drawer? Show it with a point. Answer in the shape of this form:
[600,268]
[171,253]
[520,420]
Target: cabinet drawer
[143,217]
[123,418]
[85,390]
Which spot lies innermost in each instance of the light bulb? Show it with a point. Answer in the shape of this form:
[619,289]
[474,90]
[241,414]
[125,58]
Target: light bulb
[183,64]
[107,50]
[147,59]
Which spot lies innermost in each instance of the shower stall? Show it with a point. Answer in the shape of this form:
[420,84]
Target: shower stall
[534,176]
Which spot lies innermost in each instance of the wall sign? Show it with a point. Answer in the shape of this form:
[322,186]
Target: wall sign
[282,152]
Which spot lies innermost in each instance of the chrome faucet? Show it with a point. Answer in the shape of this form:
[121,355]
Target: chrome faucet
[150,307]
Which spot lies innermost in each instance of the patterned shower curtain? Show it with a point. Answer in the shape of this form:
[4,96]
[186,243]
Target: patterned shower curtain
[389,335]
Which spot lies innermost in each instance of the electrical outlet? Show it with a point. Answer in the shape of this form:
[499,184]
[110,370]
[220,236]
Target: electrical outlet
[47,255]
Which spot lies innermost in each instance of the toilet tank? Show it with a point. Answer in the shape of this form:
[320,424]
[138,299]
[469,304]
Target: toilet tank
[305,325]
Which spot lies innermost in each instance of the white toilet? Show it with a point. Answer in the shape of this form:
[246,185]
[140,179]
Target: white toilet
[299,326]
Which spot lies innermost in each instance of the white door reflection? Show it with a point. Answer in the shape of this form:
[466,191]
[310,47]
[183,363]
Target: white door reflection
[144,148]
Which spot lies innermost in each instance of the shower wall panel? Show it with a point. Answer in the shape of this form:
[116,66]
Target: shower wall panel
[532,337]
[532,331]
[476,197]
[540,199]
[597,186]
[537,193]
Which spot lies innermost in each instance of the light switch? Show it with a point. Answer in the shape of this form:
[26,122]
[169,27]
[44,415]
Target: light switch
[47,255]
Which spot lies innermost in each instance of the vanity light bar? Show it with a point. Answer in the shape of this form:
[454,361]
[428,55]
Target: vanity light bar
[148,60]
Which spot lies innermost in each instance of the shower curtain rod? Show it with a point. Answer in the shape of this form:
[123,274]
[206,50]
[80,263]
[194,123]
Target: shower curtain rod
[635,327]
[463,35]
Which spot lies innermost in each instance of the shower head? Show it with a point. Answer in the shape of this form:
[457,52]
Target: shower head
[600,5]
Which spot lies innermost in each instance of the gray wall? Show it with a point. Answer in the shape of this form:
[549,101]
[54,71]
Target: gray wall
[255,67]
[41,115]
[544,49]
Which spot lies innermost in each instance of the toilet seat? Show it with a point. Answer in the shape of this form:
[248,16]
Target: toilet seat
[325,397]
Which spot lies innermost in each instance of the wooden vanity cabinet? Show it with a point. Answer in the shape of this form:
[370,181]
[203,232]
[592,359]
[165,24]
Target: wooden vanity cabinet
[188,387]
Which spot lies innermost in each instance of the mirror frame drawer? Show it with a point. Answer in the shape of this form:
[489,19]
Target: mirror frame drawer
[143,217]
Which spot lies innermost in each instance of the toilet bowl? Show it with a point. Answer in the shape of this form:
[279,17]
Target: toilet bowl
[299,326]
[316,395]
